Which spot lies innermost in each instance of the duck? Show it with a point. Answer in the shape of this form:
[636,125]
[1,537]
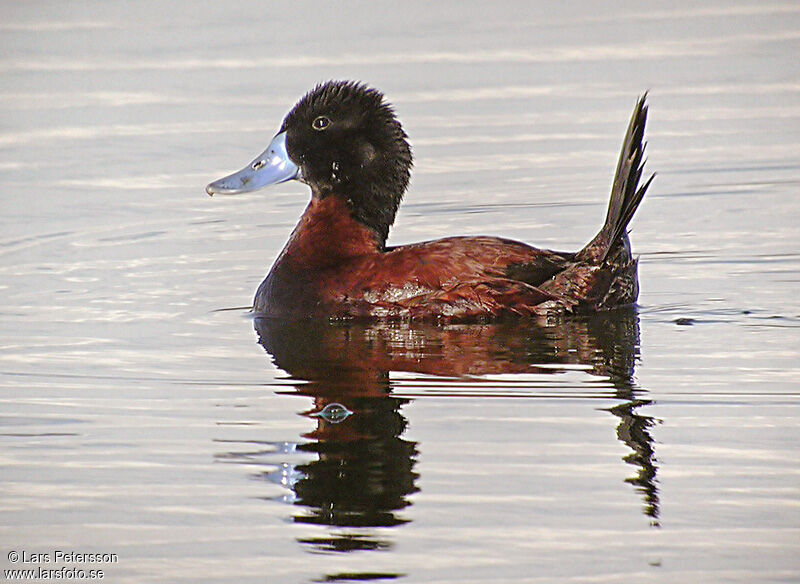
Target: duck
[344,141]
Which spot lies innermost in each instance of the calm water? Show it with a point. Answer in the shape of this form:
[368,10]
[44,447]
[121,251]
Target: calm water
[144,413]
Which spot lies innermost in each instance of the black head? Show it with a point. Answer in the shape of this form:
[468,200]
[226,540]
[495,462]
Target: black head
[347,142]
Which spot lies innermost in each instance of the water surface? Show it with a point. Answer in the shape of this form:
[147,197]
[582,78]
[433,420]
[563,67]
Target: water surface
[144,413]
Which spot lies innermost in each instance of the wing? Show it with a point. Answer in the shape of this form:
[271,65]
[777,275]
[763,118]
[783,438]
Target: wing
[454,278]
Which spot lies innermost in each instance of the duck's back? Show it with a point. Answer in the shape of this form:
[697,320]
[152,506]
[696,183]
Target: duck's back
[456,278]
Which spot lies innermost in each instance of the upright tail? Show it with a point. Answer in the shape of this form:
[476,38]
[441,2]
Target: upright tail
[626,194]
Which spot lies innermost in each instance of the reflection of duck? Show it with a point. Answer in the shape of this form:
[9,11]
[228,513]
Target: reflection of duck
[343,140]
[364,469]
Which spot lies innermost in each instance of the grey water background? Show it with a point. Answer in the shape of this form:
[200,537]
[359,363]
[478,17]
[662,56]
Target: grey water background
[139,418]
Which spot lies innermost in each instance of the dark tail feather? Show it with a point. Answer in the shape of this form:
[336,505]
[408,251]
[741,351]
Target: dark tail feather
[625,193]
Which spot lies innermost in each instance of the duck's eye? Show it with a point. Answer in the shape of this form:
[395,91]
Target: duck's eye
[320,123]
[258,164]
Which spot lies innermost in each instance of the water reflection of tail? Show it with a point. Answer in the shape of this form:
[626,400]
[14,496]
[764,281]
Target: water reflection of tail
[617,341]
[363,474]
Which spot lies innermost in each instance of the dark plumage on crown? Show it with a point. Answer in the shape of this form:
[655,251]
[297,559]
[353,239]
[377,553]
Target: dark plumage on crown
[363,156]
[337,96]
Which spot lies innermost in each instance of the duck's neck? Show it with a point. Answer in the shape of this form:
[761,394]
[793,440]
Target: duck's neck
[327,234]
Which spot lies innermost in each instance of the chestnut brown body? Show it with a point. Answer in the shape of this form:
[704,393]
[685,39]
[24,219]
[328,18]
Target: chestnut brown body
[344,141]
[456,278]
